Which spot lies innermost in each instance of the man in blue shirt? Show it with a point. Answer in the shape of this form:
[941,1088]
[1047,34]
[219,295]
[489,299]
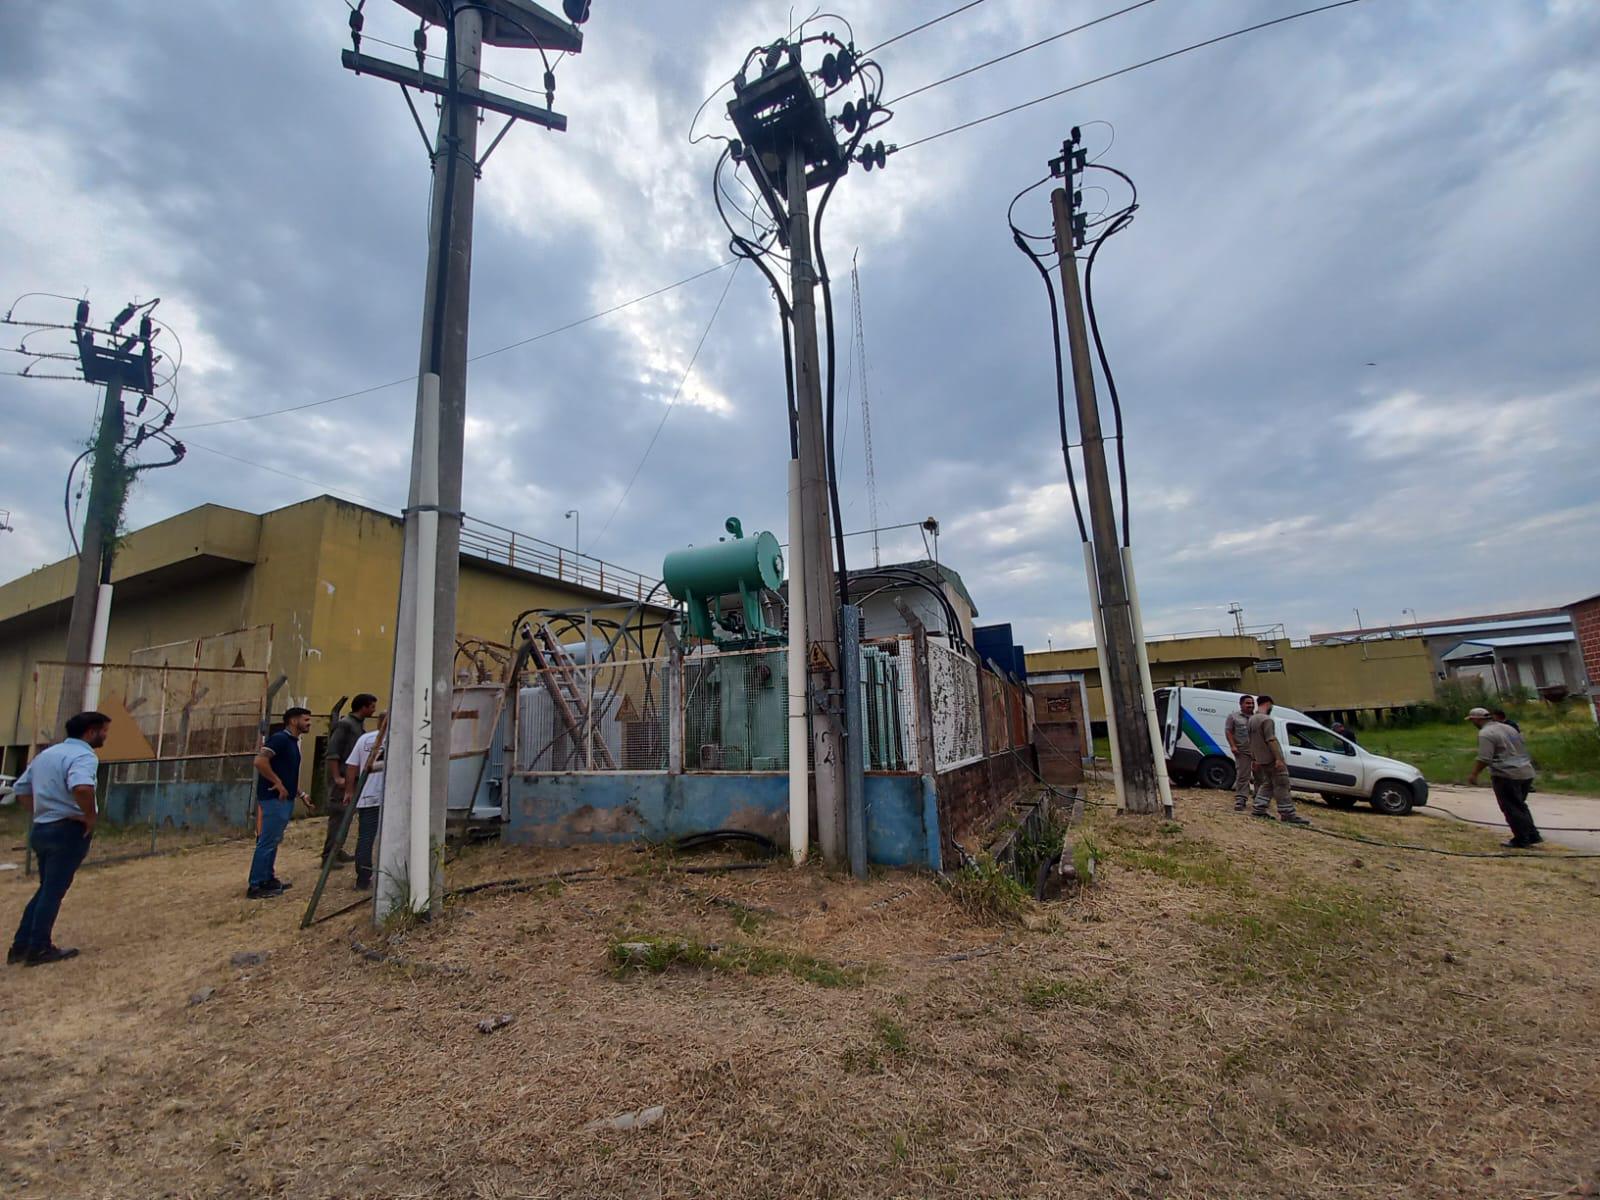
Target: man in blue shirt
[59,787]
[278,765]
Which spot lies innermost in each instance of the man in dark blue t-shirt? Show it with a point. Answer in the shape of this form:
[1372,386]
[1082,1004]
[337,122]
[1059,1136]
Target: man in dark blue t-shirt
[278,765]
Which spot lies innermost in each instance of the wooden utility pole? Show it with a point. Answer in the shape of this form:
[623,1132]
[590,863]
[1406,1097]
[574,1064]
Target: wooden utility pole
[1120,683]
[821,586]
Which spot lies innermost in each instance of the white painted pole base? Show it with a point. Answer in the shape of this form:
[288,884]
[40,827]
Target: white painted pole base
[799,733]
[97,647]
[1157,742]
[1105,677]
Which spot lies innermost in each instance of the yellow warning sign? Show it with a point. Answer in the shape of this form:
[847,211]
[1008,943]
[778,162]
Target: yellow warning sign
[818,662]
[627,710]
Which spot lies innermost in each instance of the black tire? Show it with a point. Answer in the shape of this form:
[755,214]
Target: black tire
[1216,772]
[1392,798]
[1340,802]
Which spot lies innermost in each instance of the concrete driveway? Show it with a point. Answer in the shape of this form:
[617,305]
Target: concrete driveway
[1550,809]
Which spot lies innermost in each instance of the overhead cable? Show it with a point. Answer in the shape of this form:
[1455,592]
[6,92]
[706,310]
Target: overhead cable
[678,391]
[1149,62]
[378,387]
[1054,37]
[925,25]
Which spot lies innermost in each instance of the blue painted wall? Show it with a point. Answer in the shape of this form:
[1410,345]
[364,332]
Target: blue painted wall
[178,805]
[570,810]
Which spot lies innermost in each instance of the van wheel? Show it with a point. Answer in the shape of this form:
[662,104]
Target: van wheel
[1217,773]
[1392,798]
[1341,802]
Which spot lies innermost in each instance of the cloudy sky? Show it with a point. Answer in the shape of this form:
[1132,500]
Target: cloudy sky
[1354,325]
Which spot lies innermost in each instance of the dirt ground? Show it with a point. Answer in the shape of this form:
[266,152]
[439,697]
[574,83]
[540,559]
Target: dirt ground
[1236,1009]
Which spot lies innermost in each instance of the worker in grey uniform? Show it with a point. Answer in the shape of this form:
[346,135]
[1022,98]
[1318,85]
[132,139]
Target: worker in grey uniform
[1501,749]
[1271,771]
[1237,727]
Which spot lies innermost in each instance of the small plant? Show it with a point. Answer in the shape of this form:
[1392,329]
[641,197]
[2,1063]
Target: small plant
[891,1033]
[987,892]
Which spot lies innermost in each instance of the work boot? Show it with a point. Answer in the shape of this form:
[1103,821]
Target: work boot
[50,954]
[344,858]
[1262,813]
[1294,819]
[279,884]
[262,891]
[1239,806]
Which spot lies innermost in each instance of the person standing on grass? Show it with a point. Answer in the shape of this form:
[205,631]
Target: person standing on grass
[1237,727]
[58,786]
[278,765]
[341,740]
[1501,749]
[1271,772]
[367,749]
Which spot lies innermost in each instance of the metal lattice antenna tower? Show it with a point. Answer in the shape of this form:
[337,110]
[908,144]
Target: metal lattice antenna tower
[866,413]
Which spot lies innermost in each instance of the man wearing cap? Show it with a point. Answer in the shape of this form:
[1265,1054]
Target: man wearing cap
[1500,748]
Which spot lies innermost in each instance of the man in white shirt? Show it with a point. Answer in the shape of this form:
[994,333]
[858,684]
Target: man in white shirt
[367,749]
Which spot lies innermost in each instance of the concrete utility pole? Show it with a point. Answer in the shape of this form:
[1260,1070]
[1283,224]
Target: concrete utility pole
[417,772]
[821,586]
[1120,682]
[94,564]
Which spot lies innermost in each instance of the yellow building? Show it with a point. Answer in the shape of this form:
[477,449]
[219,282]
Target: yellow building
[316,584]
[1342,677]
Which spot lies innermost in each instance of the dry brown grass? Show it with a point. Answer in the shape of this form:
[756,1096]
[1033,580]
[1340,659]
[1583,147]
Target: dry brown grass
[1237,1010]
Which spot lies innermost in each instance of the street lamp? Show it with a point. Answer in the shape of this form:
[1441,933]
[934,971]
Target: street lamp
[577,530]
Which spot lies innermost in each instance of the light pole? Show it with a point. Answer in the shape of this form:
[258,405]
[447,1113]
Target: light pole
[577,531]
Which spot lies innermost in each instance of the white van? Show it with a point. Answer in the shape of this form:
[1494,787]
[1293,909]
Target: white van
[1341,771]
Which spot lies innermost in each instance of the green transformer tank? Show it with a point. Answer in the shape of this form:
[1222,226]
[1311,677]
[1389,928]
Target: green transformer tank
[700,576]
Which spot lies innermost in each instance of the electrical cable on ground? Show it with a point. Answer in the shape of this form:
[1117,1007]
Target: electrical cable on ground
[1432,807]
[1149,62]
[1055,37]
[412,378]
[1366,841]
[678,391]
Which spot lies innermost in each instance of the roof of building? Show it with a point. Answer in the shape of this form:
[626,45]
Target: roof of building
[1442,625]
[924,567]
[1475,646]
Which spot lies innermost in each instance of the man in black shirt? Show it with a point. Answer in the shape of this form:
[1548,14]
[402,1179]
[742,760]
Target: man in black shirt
[341,741]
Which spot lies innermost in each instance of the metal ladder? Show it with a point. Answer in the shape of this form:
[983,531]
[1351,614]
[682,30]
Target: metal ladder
[561,680]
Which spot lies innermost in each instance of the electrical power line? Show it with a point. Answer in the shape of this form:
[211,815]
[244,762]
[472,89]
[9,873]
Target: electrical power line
[1054,37]
[1005,112]
[378,387]
[678,391]
[919,28]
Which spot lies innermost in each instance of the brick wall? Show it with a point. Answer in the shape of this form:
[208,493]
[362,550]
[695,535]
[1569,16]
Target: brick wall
[1586,622]
[972,798]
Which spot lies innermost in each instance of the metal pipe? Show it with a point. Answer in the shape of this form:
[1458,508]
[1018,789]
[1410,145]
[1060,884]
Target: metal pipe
[799,737]
[1105,694]
[1158,744]
[97,647]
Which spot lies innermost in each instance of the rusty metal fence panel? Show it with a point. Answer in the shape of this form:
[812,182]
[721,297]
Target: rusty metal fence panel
[957,721]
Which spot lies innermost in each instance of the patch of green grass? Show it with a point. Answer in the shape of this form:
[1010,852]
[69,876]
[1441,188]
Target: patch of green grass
[987,892]
[891,1034]
[658,954]
[1169,852]
[1313,940]
[1044,992]
[1563,741]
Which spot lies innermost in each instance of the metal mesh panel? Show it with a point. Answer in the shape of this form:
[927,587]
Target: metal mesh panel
[736,711]
[887,702]
[612,718]
[957,732]
[159,712]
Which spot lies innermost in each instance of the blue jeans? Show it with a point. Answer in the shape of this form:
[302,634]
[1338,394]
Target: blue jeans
[272,818]
[60,847]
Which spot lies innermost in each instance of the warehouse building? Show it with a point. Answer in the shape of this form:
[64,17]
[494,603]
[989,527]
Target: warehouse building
[308,591]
